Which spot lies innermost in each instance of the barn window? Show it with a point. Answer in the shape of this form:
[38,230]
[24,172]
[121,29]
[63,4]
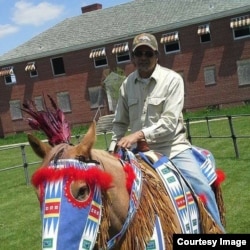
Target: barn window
[8,74]
[209,75]
[39,103]
[63,100]
[243,71]
[121,51]
[15,110]
[31,68]
[240,26]
[204,33]
[171,42]
[58,66]
[99,57]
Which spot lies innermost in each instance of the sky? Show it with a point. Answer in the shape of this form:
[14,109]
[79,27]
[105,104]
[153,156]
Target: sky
[23,19]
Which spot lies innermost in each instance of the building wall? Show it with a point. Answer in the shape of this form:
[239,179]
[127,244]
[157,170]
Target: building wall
[223,52]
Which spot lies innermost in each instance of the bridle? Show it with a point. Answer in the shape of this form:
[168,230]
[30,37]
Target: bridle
[58,175]
[57,162]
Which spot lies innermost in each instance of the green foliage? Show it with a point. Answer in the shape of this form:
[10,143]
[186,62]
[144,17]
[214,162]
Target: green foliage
[112,84]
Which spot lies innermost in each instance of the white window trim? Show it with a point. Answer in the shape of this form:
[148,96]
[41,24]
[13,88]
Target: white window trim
[207,75]
[243,67]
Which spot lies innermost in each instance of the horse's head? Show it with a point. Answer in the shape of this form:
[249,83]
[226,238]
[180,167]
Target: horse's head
[69,186]
[89,198]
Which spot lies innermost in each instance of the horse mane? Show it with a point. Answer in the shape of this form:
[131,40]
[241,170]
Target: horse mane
[154,201]
[151,203]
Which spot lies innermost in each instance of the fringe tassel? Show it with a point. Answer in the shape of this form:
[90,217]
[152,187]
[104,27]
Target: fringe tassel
[207,223]
[155,200]
[103,235]
[220,203]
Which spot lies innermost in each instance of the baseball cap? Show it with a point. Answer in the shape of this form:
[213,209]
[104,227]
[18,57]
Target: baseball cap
[145,39]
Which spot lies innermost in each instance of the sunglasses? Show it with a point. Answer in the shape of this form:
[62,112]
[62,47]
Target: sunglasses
[139,53]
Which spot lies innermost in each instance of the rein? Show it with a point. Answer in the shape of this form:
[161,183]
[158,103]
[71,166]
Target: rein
[135,195]
[68,170]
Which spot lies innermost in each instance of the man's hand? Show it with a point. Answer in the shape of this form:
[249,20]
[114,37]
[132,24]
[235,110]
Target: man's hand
[129,140]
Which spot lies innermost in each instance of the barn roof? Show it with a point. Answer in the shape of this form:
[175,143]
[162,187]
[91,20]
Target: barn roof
[120,23]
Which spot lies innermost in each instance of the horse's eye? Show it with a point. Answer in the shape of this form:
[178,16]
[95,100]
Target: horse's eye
[79,190]
[79,193]
[83,193]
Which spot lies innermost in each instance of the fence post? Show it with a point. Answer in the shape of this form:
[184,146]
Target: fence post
[233,136]
[25,165]
[188,131]
[78,138]
[208,127]
[105,137]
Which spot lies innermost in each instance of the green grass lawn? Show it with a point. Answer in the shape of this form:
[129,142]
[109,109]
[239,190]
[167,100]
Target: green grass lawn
[20,223]
[236,185]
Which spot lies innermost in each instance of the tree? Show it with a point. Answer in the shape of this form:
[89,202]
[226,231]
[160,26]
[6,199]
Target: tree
[112,85]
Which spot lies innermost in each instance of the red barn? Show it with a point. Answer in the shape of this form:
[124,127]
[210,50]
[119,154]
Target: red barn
[207,42]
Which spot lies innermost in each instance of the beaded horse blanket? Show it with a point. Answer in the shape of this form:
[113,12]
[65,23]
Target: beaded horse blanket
[178,189]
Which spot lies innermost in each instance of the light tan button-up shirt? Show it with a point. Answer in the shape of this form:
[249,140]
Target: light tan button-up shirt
[155,108]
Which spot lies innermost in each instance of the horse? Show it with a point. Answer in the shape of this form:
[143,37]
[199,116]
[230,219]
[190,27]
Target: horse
[92,199]
[77,186]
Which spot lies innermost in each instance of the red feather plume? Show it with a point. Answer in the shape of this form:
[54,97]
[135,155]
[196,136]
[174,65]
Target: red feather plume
[220,177]
[130,176]
[51,122]
[92,176]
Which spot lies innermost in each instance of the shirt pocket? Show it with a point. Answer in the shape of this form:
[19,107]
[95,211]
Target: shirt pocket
[155,107]
[133,108]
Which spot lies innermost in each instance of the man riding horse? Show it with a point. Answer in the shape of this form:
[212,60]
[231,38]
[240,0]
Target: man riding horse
[150,103]
[92,199]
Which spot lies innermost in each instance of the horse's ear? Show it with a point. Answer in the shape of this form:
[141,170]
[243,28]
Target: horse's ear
[88,141]
[39,147]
